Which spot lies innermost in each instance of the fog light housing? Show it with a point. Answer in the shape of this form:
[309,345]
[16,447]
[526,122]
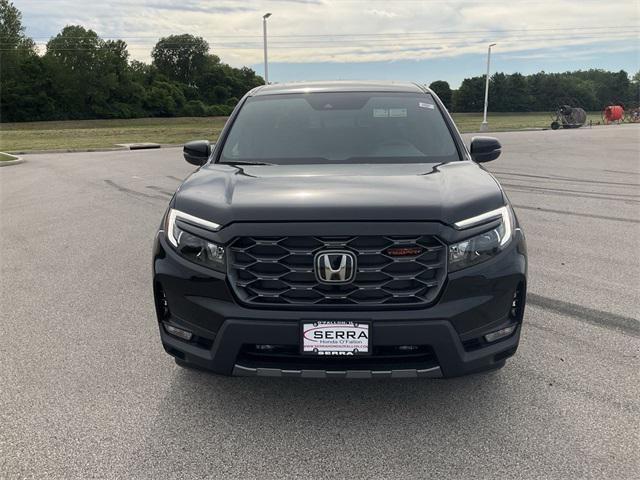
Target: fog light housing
[178,332]
[498,334]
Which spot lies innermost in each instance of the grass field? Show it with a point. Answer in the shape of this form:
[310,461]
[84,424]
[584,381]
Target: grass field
[4,157]
[90,134]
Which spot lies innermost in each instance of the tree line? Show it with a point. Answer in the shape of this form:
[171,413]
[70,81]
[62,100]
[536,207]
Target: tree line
[589,89]
[82,76]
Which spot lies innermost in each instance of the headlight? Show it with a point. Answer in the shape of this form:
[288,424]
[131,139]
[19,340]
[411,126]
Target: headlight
[193,247]
[482,247]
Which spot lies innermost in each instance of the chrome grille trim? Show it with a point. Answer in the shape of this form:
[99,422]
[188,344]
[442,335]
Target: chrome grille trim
[433,372]
[268,271]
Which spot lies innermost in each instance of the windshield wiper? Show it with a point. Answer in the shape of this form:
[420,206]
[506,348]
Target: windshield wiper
[240,162]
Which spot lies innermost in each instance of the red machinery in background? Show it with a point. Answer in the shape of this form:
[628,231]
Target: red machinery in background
[613,113]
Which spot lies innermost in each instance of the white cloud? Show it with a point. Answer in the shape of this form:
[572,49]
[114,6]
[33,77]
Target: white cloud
[383,13]
[345,30]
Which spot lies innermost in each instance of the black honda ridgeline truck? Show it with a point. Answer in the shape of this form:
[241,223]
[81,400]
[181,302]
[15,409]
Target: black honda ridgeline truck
[340,229]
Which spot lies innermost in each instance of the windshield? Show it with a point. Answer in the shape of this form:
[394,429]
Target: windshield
[343,127]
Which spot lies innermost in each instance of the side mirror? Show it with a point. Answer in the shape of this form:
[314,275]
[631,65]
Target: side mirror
[485,149]
[197,152]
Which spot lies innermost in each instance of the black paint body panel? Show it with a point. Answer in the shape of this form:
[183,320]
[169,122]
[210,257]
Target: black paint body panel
[335,200]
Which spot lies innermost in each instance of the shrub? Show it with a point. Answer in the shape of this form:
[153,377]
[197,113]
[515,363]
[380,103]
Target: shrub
[194,108]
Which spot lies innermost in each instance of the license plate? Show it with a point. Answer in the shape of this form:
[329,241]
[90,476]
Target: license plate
[335,338]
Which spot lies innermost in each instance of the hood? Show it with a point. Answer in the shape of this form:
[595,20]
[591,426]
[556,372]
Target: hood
[404,192]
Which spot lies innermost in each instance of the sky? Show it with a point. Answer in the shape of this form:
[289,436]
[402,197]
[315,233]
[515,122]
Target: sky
[414,40]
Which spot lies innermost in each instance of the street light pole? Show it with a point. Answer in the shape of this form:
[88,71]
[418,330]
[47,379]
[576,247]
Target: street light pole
[484,126]
[264,34]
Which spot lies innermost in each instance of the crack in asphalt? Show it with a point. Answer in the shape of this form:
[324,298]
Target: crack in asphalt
[567,179]
[612,321]
[160,190]
[176,178]
[577,214]
[552,189]
[134,193]
[621,171]
[570,193]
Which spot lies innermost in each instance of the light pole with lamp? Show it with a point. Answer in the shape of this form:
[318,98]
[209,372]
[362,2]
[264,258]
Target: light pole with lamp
[264,34]
[483,126]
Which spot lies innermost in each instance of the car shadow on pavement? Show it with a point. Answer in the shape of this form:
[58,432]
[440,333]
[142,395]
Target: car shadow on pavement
[230,418]
[275,394]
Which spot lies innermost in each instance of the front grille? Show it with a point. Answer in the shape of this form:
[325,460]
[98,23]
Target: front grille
[280,271]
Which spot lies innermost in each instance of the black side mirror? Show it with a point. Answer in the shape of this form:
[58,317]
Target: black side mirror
[197,152]
[485,149]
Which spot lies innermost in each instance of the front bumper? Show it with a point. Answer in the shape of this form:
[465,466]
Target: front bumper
[473,302]
[452,359]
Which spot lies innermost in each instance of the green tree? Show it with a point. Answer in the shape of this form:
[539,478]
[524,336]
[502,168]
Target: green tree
[609,87]
[74,48]
[72,58]
[194,108]
[180,57]
[26,98]
[17,57]
[219,82]
[143,73]
[93,78]
[470,96]
[443,90]
[519,99]
[113,92]
[499,94]
[12,36]
[164,99]
[633,96]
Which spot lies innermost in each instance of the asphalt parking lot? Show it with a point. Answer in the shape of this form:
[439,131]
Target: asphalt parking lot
[86,390]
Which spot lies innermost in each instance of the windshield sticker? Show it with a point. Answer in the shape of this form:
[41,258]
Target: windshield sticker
[397,112]
[430,106]
[380,113]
